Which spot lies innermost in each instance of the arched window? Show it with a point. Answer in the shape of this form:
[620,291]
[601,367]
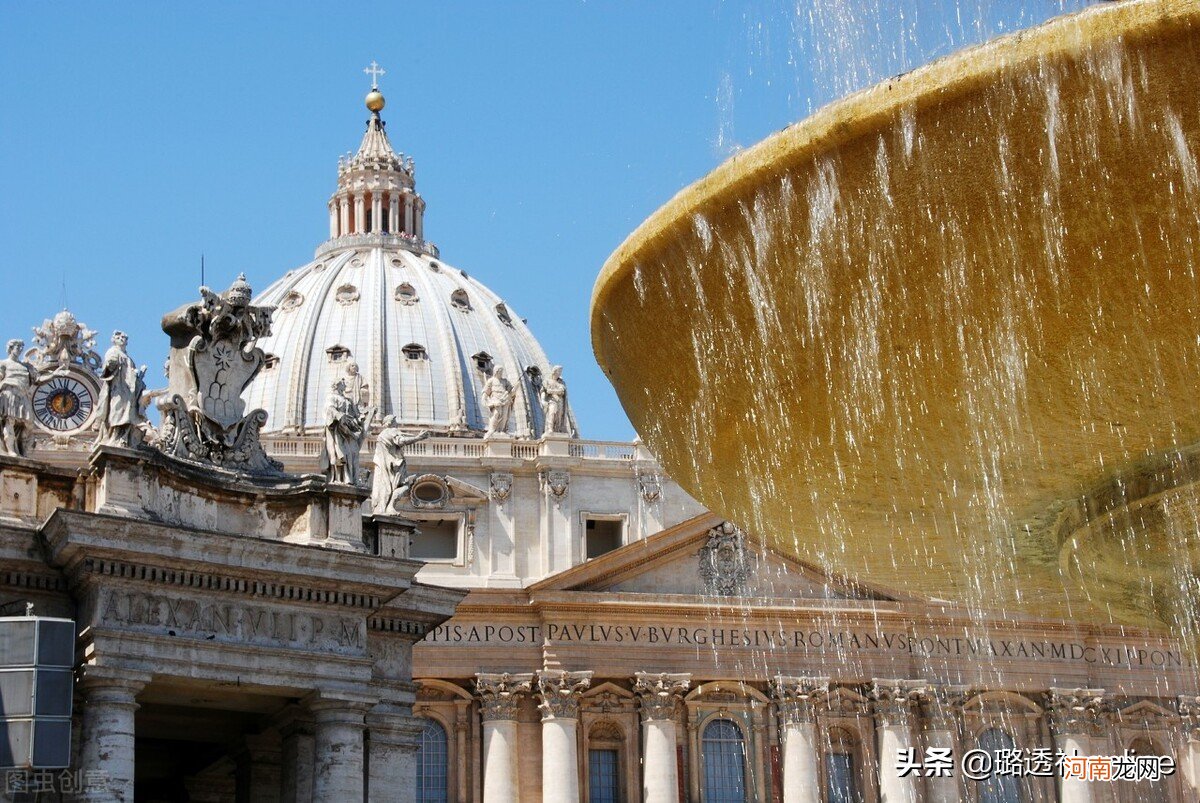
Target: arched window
[724,755]
[433,779]
[1148,791]
[841,768]
[998,788]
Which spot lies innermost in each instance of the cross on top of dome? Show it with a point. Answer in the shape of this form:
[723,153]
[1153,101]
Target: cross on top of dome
[374,70]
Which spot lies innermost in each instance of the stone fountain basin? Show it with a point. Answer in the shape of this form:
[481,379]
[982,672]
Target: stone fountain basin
[944,335]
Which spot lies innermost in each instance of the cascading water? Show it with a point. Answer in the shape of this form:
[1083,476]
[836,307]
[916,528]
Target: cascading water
[943,336]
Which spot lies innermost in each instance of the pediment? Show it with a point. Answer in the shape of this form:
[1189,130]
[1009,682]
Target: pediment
[688,560]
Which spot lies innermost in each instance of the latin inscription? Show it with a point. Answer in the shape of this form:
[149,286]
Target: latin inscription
[809,641]
[232,622]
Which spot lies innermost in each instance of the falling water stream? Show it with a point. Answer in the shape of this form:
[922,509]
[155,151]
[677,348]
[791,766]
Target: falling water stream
[933,358]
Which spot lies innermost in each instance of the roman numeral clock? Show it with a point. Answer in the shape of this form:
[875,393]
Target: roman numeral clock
[64,403]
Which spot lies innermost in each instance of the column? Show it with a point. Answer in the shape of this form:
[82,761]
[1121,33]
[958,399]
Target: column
[296,759]
[419,219]
[393,213]
[1073,714]
[395,735]
[360,217]
[500,696]
[797,701]
[1189,716]
[658,695]
[408,213]
[333,219]
[558,695]
[338,750]
[895,703]
[343,216]
[258,769]
[376,213]
[110,701]
[942,709]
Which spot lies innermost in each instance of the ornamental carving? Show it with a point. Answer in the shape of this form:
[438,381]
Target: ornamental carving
[650,487]
[798,698]
[500,486]
[346,295]
[1189,717]
[500,694]
[61,342]
[213,358]
[942,707]
[895,701]
[659,693]
[1075,711]
[558,692]
[555,483]
[724,566]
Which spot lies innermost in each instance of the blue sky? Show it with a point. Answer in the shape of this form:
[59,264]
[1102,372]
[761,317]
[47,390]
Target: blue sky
[136,136]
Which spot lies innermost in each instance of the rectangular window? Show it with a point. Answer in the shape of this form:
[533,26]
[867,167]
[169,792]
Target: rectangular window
[435,539]
[602,776]
[839,774]
[602,535]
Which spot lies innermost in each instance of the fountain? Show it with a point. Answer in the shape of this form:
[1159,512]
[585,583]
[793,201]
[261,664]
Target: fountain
[944,335]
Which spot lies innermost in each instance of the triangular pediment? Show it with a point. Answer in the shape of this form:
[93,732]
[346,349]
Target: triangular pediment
[685,560]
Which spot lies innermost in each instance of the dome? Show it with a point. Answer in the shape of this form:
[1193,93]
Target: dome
[413,337]
[424,336]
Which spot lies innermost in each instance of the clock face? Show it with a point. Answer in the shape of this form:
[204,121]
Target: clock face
[63,403]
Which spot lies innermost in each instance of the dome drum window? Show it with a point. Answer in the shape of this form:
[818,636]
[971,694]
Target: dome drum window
[460,300]
[535,375]
[406,294]
[270,362]
[415,351]
[291,301]
[483,362]
[337,353]
[503,314]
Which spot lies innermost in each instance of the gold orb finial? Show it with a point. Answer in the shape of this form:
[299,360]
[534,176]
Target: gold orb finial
[375,100]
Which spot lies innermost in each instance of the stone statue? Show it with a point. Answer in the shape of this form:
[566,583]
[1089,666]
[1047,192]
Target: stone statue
[553,394]
[213,357]
[61,342]
[346,428]
[391,481]
[357,389]
[498,397]
[119,410]
[16,401]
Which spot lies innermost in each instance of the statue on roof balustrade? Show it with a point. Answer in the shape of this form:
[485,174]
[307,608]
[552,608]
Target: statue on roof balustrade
[119,411]
[391,480]
[17,379]
[498,397]
[213,357]
[346,427]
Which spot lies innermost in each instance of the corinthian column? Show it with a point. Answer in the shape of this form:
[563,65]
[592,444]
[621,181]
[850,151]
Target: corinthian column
[659,694]
[1073,715]
[895,705]
[558,692]
[942,708]
[798,700]
[110,701]
[499,697]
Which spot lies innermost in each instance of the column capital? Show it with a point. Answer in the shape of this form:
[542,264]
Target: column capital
[659,692]
[111,685]
[559,692]
[942,705]
[894,701]
[1074,711]
[799,698]
[501,693]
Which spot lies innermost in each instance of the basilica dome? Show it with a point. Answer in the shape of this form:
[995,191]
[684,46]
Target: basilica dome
[412,336]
